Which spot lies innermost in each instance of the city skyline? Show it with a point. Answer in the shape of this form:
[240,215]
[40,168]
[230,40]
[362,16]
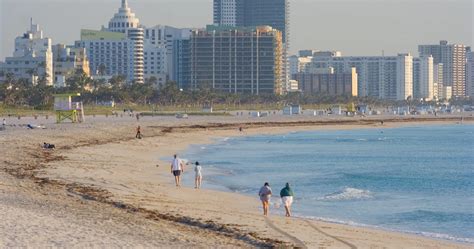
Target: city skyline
[359,13]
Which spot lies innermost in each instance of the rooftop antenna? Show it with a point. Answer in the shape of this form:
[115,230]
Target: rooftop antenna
[383,53]
[124,4]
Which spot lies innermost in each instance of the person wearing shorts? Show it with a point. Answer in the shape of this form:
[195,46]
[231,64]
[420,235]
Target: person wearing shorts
[177,168]
[265,194]
[286,195]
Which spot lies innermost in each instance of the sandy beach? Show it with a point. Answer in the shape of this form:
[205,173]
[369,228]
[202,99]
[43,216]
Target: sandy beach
[102,187]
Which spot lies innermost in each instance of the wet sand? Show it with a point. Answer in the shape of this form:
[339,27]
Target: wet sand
[101,187]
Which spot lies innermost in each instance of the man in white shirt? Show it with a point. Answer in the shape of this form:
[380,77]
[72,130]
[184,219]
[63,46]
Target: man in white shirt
[177,167]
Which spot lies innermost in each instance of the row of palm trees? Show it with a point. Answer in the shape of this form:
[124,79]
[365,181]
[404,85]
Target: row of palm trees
[20,92]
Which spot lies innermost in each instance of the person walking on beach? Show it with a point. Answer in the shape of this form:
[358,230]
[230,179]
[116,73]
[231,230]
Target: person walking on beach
[265,194]
[139,133]
[286,195]
[177,167]
[198,177]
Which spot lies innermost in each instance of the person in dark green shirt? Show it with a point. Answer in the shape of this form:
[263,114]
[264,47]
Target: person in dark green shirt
[286,195]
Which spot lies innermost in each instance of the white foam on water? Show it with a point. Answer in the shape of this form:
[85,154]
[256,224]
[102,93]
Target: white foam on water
[348,194]
[440,236]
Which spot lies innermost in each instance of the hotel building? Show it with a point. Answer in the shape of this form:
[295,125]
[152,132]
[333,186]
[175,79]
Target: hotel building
[453,58]
[470,74]
[237,60]
[329,83]
[32,58]
[383,77]
[423,78]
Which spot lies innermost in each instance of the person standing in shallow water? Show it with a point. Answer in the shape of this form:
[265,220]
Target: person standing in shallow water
[286,195]
[265,194]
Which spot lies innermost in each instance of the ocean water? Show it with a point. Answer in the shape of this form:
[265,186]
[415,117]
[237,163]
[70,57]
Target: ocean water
[412,179]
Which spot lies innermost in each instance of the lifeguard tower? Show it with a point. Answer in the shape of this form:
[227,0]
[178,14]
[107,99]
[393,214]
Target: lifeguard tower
[66,109]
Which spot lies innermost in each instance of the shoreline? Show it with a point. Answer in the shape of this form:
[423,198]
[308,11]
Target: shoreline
[437,236]
[142,196]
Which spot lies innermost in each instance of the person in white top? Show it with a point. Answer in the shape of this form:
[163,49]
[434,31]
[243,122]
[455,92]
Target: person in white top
[177,167]
[198,178]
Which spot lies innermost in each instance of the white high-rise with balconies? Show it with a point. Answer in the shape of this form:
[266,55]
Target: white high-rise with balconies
[423,78]
[117,49]
[383,77]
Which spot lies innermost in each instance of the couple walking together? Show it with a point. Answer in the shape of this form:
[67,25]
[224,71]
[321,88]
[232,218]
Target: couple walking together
[177,169]
[286,195]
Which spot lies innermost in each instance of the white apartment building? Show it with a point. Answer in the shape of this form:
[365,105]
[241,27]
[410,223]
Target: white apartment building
[298,64]
[155,63]
[32,58]
[109,53]
[470,74]
[163,38]
[453,58]
[423,78]
[383,77]
[118,49]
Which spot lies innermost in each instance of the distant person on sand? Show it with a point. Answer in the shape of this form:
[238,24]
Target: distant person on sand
[177,167]
[265,194]
[198,177]
[286,195]
[241,129]
[139,133]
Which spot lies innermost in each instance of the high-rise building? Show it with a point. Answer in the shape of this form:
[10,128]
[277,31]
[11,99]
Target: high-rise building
[329,83]
[32,58]
[298,64]
[453,58]
[117,49]
[383,77]
[470,74]
[164,37]
[182,63]
[252,13]
[228,12]
[423,78]
[237,60]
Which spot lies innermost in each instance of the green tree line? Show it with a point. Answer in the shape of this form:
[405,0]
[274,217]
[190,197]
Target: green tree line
[20,92]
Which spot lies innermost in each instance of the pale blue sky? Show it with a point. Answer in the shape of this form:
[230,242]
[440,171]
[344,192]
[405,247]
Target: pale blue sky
[355,27]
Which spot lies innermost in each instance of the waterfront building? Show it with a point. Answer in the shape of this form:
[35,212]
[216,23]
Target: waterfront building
[182,63]
[423,78]
[163,38]
[298,64]
[237,60]
[453,58]
[67,60]
[117,49]
[252,13]
[438,80]
[32,58]
[383,77]
[109,53]
[470,74]
[328,83]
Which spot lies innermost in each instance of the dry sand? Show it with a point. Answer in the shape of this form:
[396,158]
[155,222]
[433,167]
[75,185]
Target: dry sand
[103,188]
